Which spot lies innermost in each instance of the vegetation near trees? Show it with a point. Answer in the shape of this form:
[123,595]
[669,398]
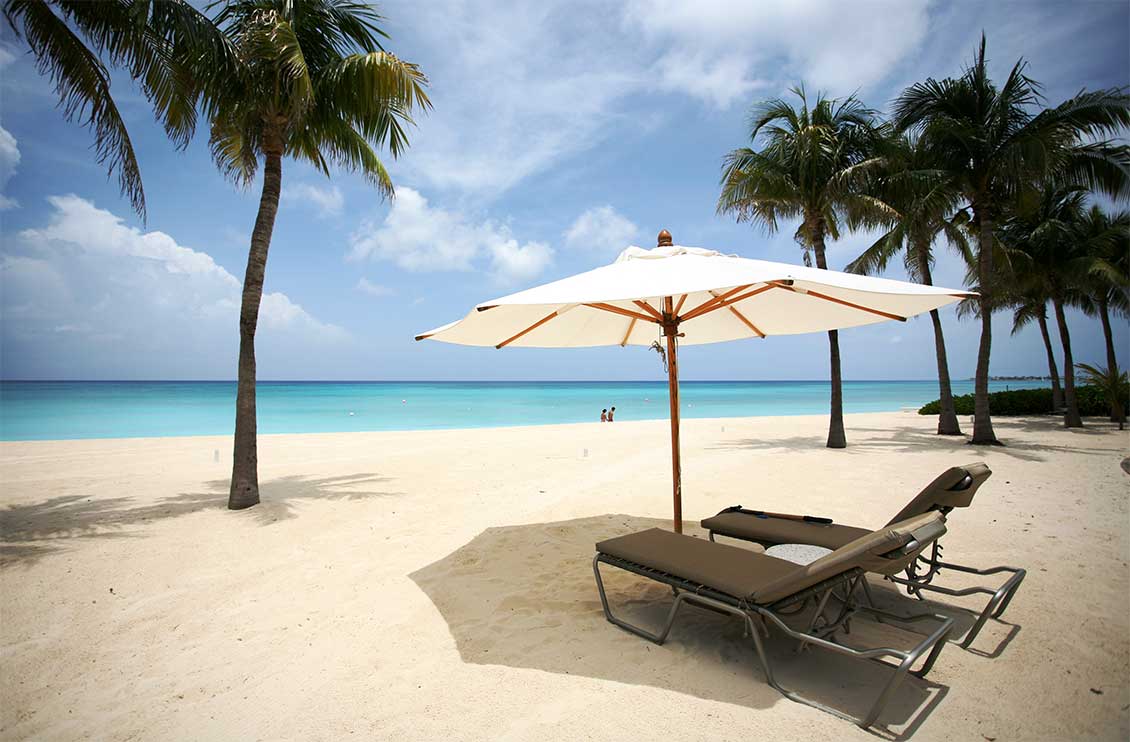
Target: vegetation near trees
[802,168]
[1109,382]
[1093,400]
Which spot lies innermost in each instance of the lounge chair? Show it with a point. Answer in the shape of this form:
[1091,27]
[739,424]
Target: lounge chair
[759,589]
[953,489]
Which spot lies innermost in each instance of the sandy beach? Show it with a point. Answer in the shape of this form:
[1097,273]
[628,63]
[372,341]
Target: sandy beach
[430,585]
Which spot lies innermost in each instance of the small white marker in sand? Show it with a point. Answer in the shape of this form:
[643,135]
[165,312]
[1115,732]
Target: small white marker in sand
[723,428]
[216,455]
[584,453]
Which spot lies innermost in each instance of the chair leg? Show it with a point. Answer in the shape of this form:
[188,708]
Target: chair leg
[998,602]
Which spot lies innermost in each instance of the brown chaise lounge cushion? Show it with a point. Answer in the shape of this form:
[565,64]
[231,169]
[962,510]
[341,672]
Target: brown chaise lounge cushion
[782,530]
[761,578]
[727,569]
[949,490]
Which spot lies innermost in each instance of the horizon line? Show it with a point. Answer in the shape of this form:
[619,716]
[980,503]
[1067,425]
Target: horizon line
[480,381]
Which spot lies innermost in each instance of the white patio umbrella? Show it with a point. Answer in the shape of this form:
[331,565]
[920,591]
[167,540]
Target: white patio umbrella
[688,296]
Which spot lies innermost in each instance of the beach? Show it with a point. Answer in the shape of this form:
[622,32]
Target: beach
[438,584]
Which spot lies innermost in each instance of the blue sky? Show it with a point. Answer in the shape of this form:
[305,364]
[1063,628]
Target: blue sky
[562,132]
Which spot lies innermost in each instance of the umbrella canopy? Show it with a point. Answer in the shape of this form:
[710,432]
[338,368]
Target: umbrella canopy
[688,296]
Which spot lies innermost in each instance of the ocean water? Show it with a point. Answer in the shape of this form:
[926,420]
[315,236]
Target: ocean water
[47,410]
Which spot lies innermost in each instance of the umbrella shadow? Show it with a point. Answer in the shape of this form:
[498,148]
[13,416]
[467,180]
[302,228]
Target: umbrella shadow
[31,531]
[524,596]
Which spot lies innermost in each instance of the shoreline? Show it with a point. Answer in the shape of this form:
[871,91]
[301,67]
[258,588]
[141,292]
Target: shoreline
[684,419]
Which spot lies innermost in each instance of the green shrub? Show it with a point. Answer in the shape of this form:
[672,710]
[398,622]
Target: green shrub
[1029,402]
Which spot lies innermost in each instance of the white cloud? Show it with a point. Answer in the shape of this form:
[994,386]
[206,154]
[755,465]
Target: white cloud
[522,87]
[9,159]
[419,237]
[88,291]
[511,262]
[720,81]
[714,46]
[518,87]
[601,228]
[374,289]
[327,201]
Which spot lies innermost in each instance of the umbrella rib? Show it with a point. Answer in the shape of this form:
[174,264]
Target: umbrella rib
[534,326]
[621,311]
[746,322]
[699,311]
[844,302]
[628,334]
[648,308]
[709,303]
[679,305]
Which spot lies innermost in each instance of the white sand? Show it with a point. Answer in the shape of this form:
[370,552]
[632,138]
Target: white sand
[437,585]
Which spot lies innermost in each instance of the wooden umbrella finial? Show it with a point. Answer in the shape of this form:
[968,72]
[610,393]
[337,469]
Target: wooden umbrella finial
[665,239]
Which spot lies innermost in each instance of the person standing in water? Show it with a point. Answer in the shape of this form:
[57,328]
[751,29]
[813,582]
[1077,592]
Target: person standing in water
[611,414]
[604,415]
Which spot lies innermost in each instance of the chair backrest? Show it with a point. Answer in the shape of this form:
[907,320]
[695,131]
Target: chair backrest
[886,551]
[954,488]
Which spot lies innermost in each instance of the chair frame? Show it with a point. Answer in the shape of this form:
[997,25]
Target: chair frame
[757,619]
[916,581]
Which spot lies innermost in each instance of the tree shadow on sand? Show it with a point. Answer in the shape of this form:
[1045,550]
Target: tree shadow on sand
[29,532]
[524,596]
[904,439]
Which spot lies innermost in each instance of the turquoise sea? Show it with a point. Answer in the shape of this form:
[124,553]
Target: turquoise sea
[46,410]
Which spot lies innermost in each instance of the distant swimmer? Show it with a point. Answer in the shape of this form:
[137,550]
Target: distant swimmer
[611,414]
[604,415]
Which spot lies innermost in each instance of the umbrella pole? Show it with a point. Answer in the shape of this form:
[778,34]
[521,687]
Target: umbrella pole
[670,330]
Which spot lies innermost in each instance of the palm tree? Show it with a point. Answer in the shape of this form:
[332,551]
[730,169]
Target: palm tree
[1106,287]
[994,143]
[1106,241]
[1048,259]
[309,80]
[803,170]
[156,41]
[1034,306]
[924,201]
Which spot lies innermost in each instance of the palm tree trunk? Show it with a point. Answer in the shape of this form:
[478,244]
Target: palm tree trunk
[1116,413]
[1071,417]
[836,436]
[947,416]
[245,471]
[982,424]
[1057,391]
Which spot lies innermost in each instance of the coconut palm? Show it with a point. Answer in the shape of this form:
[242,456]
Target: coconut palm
[310,81]
[994,142]
[803,169]
[1041,234]
[1034,307]
[1104,290]
[157,42]
[924,201]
